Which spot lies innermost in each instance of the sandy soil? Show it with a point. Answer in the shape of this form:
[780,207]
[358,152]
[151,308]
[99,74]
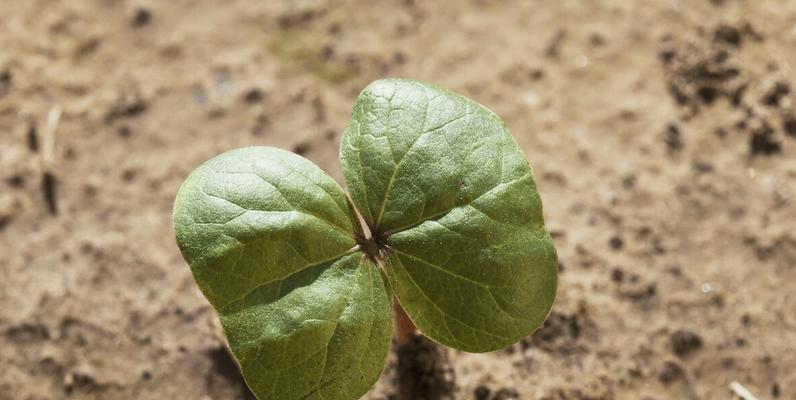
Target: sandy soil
[662,134]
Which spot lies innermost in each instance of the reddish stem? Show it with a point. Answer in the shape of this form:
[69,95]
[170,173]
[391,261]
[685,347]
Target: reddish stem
[404,327]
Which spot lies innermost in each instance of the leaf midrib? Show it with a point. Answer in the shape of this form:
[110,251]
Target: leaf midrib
[391,182]
[222,309]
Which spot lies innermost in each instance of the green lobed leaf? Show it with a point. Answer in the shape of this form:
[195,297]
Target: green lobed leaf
[325,338]
[268,236]
[441,178]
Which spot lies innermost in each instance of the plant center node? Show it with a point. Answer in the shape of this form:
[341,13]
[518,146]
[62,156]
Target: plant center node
[374,246]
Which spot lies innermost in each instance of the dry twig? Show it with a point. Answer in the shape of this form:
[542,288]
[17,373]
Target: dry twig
[741,391]
[48,159]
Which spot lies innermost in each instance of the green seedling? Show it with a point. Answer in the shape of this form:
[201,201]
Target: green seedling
[453,231]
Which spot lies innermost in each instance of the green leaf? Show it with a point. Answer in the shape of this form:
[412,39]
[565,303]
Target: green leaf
[440,179]
[270,239]
[326,337]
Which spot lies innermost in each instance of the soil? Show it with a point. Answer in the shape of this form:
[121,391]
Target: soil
[424,371]
[662,135]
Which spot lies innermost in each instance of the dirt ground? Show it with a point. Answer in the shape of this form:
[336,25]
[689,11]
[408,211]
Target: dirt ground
[662,135]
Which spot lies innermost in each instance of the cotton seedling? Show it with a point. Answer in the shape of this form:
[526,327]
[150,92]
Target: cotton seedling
[453,232]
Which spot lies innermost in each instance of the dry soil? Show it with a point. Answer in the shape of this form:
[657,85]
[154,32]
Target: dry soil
[662,135]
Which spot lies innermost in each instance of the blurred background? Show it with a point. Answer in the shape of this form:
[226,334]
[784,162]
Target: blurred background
[662,135]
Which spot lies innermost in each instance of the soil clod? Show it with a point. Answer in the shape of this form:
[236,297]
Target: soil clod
[561,333]
[506,394]
[617,275]
[16,181]
[616,243]
[672,138]
[789,125]
[764,141]
[142,16]
[253,96]
[775,94]
[670,372]
[79,382]
[685,342]
[702,72]
[728,34]
[26,333]
[129,104]
[482,392]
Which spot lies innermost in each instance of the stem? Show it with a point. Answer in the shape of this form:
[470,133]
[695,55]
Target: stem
[424,372]
[404,327]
